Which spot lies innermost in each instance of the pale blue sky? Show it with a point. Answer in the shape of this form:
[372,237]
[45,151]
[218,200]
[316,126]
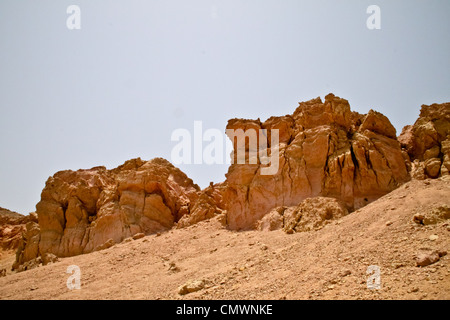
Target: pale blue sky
[137,70]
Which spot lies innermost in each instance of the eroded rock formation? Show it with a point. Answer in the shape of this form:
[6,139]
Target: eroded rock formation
[81,210]
[428,141]
[326,150]
[12,226]
[330,161]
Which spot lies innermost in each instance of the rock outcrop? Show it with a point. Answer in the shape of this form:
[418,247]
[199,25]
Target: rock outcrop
[428,141]
[27,254]
[81,211]
[210,203]
[324,149]
[12,226]
[329,162]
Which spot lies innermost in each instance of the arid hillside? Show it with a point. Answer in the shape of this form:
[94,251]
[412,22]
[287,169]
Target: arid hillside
[348,210]
[329,263]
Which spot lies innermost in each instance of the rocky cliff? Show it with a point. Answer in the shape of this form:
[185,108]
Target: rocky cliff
[86,210]
[428,141]
[12,226]
[340,159]
[325,149]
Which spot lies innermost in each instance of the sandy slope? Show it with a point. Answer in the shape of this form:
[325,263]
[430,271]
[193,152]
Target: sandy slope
[327,264]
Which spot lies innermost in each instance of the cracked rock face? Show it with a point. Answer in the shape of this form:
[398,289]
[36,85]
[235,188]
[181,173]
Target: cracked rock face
[82,210]
[428,141]
[208,205]
[330,161]
[325,150]
[12,226]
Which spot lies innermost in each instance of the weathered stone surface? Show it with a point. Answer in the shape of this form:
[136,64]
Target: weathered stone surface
[432,167]
[138,236]
[48,258]
[12,226]
[428,141]
[340,159]
[208,205]
[438,214]
[313,214]
[326,150]
[82,210]
[427,257]
[274,220]
[29,264]
[310,214]
[108,244]
[28,248]
[192,286]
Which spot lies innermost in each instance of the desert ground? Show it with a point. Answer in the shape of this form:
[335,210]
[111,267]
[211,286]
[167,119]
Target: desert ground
[217,263]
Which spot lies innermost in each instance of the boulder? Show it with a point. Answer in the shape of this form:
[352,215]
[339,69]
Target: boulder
[48,258]
[274,220]
[426,257]
[191,286]
[108,244]
[438,214]
[138,236]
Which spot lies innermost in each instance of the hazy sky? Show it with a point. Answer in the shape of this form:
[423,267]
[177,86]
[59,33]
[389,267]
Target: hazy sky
[137,70]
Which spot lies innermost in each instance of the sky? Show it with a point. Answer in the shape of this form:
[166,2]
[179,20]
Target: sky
[135,71]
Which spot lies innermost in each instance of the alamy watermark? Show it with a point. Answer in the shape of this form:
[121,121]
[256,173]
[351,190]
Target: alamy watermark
[74,281]
[374,279]
[251,146]
[374,20]
[73,21]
